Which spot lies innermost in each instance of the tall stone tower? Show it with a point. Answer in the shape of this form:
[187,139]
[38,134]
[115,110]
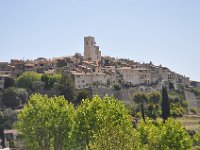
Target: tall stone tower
[91,51]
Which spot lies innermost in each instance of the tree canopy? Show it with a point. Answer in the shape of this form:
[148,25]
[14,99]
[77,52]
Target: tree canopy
[154,104]
[96,124]
[46,123]
[26,80]
[14,97]
[141,98]
[50,79]
[168,136]
[65,86]
[9,82]
[103,124]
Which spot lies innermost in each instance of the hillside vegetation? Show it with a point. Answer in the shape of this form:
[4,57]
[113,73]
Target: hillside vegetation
[52,114]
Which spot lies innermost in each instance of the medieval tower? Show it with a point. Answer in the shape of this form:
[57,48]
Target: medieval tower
[91,51]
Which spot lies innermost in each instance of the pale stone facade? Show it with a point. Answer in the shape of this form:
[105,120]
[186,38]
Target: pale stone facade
[91,51]
[145,75]
[85,80]
[129,75]
[186,81]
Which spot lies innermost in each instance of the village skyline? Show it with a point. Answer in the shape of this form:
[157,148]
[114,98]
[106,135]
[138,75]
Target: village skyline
[164,32]
[55,59]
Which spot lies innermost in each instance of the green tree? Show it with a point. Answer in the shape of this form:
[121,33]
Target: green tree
[10,98]
[26,80]
[22,95]
[174,136]
[47,123]
[81,94]
[196,139]
[38,86]
[158,136]
[65,86]
[141,98]
[148,134]
[13,97]
[9,82]
[165,105]
[103,124]
[154,102]
[50,79]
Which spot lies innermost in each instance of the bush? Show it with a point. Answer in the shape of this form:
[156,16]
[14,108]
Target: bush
[192,110]
[168,136]
[177,110]
[117,87]
[26,80]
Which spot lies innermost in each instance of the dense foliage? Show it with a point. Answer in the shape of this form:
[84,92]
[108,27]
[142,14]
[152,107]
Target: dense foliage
[65,87]
[17,91]
[26,80]
[51,122]
[178,104]
[141,98]
[147,103]
[168,136]
[103,124]
[46,123]
[154,104]
[49,80]
[9,82]
[97,124]
[14,97]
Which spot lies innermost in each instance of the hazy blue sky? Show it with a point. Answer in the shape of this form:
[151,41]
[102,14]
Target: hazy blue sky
[165,32]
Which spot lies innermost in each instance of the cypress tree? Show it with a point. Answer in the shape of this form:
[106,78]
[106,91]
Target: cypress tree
[165,104]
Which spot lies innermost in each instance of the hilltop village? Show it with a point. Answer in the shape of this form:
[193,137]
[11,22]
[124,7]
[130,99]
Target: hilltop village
[89,75]
[93,69]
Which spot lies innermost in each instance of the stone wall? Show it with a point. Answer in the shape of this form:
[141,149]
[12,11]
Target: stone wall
[191,99]
[125,94]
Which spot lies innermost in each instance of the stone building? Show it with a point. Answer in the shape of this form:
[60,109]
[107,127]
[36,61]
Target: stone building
[91,51]
[18,66]
[129,75]
[84,80]
[43,64]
